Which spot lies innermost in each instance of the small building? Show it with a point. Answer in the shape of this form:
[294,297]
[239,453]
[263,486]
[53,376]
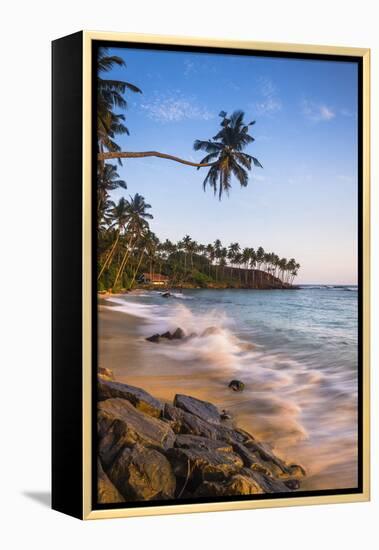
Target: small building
[154,279]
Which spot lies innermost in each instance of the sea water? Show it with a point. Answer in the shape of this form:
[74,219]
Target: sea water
[295,350]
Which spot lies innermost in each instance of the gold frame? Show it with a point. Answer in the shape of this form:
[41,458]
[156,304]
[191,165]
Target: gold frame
[364,53]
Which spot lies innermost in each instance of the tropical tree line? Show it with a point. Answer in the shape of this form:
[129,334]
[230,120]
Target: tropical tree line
[128,248]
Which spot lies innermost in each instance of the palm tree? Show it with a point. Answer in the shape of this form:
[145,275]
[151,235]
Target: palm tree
[109,96]
[107,180]
[225,156]
[186,247]
[225,150]
[118,216]
[137,223]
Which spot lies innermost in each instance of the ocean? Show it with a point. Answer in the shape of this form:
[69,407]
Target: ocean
[296,352]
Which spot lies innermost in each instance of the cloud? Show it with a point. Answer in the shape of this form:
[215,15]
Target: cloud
[174,108]
[317,112]
[269,101]
[189,67]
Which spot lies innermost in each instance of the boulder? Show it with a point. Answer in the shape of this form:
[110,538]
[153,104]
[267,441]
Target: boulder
[198,464]
[105,374]
[120,424]
[167,335]
[237,385]
[187,441]
[178,334]
[296,471]
[236,486]
[268,459]
[204,410]
[139,398]
[154,338]
[143,474]
[106,491]
[183,422]
[267,484]
[253,461]
[293,484]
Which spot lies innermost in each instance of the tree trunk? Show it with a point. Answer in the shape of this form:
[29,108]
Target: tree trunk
[110,256]
[135,273]
[128,154]
[123,263]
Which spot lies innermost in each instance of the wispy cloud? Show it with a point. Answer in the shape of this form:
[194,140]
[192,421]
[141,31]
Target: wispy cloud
[317,112]
[269,101]
[189,67]
[174,108]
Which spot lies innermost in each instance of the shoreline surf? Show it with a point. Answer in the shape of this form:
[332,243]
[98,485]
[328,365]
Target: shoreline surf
[278,403]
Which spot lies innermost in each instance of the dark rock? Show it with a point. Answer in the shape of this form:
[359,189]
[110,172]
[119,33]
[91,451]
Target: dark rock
[225,415]
[253,461]
[296,471]
[166,294]
[120,424]
[199,464]
[292,484]
[237,485]
[268,484]
[138,397]
[277,466]
[236,385]
[143,474]
[187,441]
[167,335]
[178,334]
[106,491]
[204,410]
[183,422]
[154,338]
[105,374]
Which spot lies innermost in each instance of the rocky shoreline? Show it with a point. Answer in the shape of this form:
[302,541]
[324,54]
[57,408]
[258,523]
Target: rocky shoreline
[150,450]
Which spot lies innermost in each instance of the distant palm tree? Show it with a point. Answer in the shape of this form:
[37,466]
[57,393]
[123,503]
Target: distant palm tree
[225,150]
[117,217]
[137,224]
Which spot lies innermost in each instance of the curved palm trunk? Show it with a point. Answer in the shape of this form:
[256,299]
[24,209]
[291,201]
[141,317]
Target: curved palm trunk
[101,156]
[136,271]
[123,263]
[109,257]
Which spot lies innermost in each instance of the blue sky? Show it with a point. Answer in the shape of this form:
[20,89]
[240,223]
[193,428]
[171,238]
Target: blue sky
[302,204]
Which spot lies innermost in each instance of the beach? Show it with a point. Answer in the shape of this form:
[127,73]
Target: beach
[298,403]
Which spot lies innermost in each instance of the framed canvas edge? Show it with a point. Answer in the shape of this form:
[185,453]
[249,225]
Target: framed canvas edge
[364,496]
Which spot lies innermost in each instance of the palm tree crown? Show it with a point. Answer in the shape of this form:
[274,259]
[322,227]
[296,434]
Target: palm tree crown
[226,151]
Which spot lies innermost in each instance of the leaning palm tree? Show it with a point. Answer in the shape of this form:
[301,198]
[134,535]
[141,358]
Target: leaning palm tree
[225,150]
[225,157]
[117,216]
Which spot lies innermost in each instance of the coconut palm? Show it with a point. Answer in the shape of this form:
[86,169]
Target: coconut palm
[225,150]
[117,218]
[225,156]
[107,180]
[137,224]
[110,95]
